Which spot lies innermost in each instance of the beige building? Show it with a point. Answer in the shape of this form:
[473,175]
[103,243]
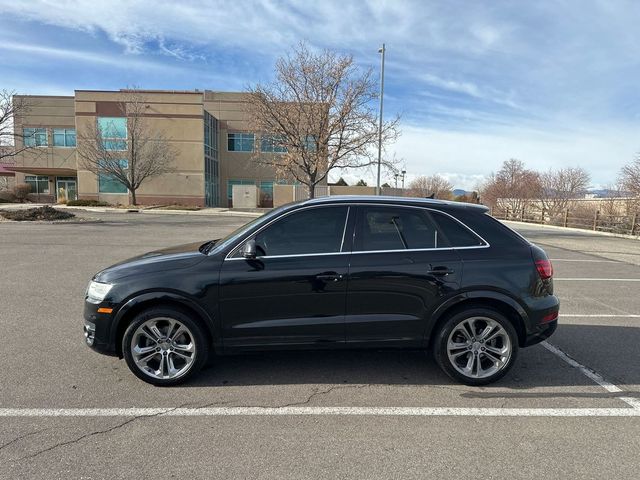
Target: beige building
[208,131]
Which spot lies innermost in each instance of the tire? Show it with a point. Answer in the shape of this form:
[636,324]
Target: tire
[481,338]
[163,346]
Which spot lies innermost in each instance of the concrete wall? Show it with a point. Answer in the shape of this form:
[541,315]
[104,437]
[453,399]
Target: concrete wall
[245,196]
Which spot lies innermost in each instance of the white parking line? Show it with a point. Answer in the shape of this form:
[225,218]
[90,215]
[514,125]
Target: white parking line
[599,315]
[597,279]
[334,411]
[593,375]
[583,261]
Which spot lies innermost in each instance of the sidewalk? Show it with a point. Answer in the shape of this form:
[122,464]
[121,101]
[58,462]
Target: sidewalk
[155,211]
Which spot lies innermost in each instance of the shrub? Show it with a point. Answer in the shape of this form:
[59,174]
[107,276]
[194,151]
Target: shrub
[21,191]
[40,213]
[87,203]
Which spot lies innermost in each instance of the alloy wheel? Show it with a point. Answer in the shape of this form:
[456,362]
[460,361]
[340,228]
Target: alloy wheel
[163,348]
[479,347]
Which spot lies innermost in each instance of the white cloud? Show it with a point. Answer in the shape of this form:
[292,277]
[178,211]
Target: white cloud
[465,157]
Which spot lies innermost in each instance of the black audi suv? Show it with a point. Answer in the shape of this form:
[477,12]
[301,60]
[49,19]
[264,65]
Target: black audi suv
[328,273]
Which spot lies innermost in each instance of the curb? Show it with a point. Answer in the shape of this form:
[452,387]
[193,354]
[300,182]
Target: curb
[572,229]
[204,212]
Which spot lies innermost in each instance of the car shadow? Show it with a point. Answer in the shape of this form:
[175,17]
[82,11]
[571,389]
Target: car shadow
[610,350]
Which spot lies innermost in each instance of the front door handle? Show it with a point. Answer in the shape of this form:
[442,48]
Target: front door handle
[440,271]
[329,277]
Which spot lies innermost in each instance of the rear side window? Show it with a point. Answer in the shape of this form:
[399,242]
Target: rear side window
[390,228]
[400,228]
[455,232]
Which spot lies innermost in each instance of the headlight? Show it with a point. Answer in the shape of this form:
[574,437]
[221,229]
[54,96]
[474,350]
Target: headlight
[97,291]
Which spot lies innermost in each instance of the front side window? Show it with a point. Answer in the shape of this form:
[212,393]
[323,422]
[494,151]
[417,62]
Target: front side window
[35,137]
[64,137]
[113,131]
[313,231]
[240,142]
[38,183]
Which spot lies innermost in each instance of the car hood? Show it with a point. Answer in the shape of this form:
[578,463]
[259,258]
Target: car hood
[181,256]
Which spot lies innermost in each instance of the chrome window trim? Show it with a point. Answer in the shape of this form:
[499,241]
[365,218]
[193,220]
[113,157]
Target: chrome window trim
[349,205]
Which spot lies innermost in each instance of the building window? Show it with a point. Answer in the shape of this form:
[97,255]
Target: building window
[35,137]
[211,166]
[272,144]
[310,143]
[240,142]
[39,183]
[64,137]
[113,131]
[109,184]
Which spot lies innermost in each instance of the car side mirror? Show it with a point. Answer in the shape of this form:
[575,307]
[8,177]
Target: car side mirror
[249,249]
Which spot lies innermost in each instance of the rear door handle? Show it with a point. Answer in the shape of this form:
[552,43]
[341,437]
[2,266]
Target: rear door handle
[440,271]
[329,277]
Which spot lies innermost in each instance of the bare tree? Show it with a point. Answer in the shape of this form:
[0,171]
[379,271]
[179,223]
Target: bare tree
[435,185]
[559,187]
[512,187]
[630,177]
[10,108]
[320,112]
[141,154]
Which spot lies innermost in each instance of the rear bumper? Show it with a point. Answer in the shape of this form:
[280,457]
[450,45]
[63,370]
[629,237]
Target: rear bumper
[543,320]
[544,332]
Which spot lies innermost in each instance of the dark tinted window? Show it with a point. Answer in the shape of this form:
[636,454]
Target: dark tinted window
[391,228]
[457,234]
[315,230]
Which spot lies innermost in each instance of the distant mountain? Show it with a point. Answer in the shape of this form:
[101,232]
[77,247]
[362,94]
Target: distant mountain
[459,191]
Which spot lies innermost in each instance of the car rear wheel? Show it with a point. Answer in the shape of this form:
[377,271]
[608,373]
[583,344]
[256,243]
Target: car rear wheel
[476,346]
[163,346]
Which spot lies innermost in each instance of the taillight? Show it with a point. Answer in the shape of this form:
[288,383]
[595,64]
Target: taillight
[545,269]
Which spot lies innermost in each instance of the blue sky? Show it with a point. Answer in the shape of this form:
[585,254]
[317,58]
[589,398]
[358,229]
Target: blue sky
[553,83]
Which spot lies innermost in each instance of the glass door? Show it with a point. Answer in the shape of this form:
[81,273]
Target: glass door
[66,189]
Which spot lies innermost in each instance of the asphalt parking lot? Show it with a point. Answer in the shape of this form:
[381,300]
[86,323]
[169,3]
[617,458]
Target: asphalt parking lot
[569,408]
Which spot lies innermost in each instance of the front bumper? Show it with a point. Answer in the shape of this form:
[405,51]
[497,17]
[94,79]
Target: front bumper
[97,329]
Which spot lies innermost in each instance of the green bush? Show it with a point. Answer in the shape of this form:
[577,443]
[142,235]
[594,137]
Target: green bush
[87,203]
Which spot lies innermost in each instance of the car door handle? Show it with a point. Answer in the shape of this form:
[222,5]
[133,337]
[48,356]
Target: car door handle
[329,277]
[440,271]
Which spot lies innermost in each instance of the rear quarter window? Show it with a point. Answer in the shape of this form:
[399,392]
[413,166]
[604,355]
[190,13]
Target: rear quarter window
[493,231]
[457,234]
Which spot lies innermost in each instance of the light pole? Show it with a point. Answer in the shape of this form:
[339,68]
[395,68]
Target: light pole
[382,51]
[403,174]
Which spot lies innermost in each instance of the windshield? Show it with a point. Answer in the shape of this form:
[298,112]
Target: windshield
[240,231]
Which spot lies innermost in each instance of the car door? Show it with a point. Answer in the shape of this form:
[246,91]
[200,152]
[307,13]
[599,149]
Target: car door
[401,268]
[294,291]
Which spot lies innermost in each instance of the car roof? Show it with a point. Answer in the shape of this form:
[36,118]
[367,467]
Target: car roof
[392,200]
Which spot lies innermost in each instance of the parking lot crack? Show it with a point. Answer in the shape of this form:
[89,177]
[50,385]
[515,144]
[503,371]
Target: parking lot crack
[11,442]
[97,432]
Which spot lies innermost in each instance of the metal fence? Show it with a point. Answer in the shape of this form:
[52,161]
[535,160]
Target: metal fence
[596,220]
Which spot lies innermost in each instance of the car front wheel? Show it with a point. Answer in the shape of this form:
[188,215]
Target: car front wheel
[476,346]
[163,346]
